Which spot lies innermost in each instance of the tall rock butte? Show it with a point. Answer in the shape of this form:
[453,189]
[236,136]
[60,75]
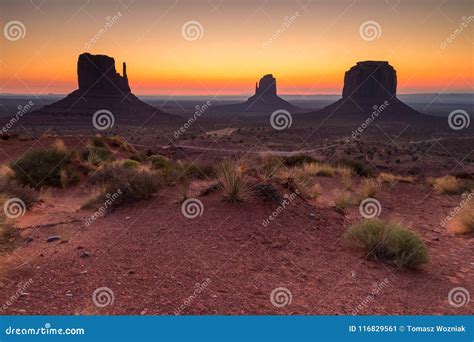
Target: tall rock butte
[367,86]
[100,87]
[265,99]
[370,80]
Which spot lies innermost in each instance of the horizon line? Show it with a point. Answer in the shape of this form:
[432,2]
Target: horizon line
[238,95]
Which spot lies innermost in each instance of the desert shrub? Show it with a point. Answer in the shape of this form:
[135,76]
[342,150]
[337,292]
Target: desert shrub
[139,157]
[9,236]
[99,155]
[344,200]
[234,184]
[106,173]
[388,242]
[158,161]
[199,171]
[298,160]
[97,141]
[41,167]
[392,178]
[357,166]
[11,188]
[69,175]
[466,217]
[302,178]
[130,164]
[269,166]
[448,185]
[120,143]
[369,188]
[132,185]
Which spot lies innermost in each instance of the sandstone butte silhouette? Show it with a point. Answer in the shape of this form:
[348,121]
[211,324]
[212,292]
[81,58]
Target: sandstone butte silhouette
[100,87]
[265,99]
[368,86]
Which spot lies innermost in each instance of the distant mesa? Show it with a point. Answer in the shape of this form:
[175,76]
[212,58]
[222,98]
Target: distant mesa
[367,85]
[265,99]
[370,80]
[100,87]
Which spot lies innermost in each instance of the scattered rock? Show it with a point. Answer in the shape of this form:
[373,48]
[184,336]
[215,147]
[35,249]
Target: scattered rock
[84,254]
[53,238]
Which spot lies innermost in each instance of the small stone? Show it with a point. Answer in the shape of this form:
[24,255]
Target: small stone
[127,218]
[84,254]
[53,238]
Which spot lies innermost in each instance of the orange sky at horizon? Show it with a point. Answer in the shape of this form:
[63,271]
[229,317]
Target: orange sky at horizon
[321,41]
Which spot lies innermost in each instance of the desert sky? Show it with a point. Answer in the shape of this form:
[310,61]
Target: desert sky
[306,45]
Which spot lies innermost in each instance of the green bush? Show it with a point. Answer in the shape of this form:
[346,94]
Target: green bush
[359,168]
[98,142]
[388,242]
[199,171]
[139,157]
[99,155]
[11,188]
[69,176]
[299,160]
[38,168]
[130,164]
[132,185]
[159,161]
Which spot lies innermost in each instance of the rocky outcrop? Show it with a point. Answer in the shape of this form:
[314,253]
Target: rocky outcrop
[266,88]
[97,73]
[369,87]
[100,87]
[265,99]
[370,80]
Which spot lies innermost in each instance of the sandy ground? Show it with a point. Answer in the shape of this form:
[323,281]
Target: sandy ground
[154,259]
